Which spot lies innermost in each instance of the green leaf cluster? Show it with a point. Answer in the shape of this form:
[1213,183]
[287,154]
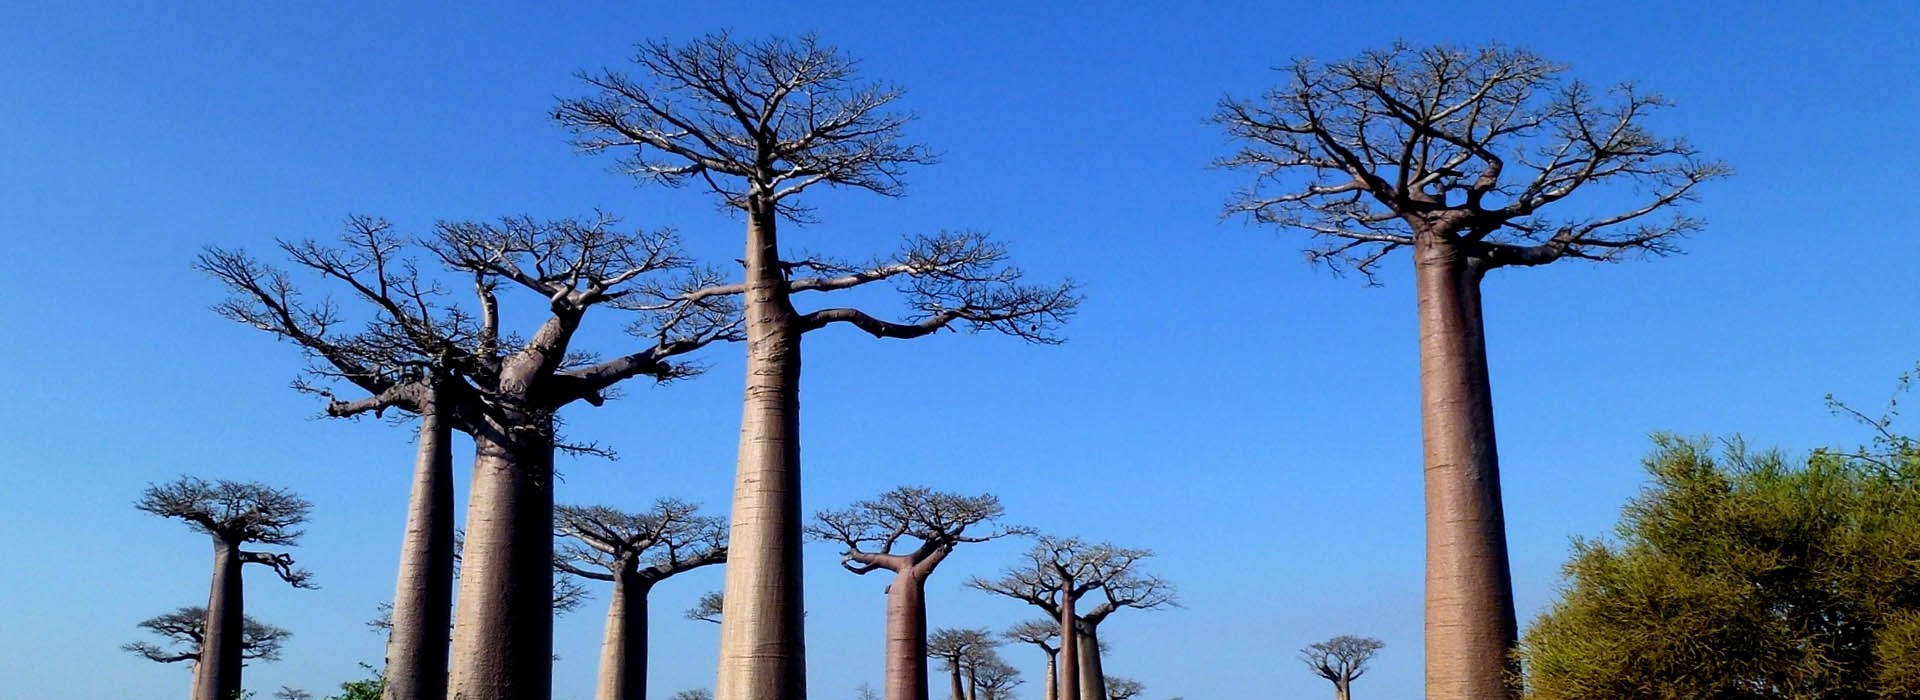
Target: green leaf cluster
[1738,575]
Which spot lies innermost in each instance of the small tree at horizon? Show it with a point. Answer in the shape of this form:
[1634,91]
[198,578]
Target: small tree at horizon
[185,631]
[1341,660]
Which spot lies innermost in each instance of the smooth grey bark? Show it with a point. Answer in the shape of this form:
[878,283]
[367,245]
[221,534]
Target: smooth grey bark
[1069,671]
[623,654]
[762,624]
[216,675]
[1471,627]
[417,644]
[1093,680]
[906,665]
[503,627]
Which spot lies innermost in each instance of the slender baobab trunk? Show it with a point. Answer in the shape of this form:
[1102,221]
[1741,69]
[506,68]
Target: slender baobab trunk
[907,638]
[1342,690]
[1069,646]
[1470,627]
[623,656]
[1052,684]
[1093,680]
[959,690]
[503,631]
[762,637]
[423,597]
[216,674]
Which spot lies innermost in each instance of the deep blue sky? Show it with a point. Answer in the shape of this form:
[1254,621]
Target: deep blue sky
[1251,418]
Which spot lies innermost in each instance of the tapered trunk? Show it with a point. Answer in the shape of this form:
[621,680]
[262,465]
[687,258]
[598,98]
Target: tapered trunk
[216,674]
[762,636]
[1052,684]
[1069,646]
[1342,690]
[503,629]
[423,596]
[907,638]
[1470,626]
[959,690]
[623,656]
[973,686]
[1093,679]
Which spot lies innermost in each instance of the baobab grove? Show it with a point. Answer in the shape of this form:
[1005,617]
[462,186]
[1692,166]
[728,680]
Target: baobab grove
[885,351]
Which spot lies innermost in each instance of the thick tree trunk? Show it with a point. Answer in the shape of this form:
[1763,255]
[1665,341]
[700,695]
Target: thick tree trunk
[623,656]
[423,596]
[1342,690]
[1069,646]
[503,631]
[1093,679]
[959,690]
[762,635]
[1470,627]
[216,674]
[1052,685]
[907,638]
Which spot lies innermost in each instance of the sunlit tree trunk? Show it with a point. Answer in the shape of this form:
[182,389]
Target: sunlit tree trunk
[423,596]
[1069,671]
[216,675]
[959,689]
[1052,684]
[1093,680]
[907,638]
[762,636]
[623,656]
[503,630]
[1471,627]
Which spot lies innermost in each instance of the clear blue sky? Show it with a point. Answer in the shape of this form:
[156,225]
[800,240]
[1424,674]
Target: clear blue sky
[1251,418]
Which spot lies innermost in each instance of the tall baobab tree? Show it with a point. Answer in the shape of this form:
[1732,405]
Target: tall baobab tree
[185,631]
[872,531]
[1055,575]
[759,123]
[990,677]
[960,649]
[234,514]
[1341,660]
[634,552]
[422,353]
[1458,155]
[1041,633]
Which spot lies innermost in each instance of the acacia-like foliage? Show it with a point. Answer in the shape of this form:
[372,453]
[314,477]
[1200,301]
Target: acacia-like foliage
[1111,570]
[1342,659]
[236,513]
[185,630]
[936,521]
[1471,144]
[1124,688]
[1742,574]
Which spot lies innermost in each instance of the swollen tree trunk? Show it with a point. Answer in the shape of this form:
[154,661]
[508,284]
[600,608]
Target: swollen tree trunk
[503,632]
[623,656]
[1093,680]
[216,674]
[762,636]
[1470,627]
[907,638]
[1069,646]
[1342,690]
[423,597]
[959,691]
[1052,684]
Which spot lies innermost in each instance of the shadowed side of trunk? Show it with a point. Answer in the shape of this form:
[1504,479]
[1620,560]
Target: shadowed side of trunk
[503,633]
[216,675]
[623,656]
[1069,645]
[1471,627]
[906,669]
[762,636]
[423,595]
[1093,679]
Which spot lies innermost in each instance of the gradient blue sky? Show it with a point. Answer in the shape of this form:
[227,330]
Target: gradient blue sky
[1251,418]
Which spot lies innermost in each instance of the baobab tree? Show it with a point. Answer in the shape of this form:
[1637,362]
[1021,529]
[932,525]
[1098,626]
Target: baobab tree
[1124,688]
[908,532]
[759,123]
[1067,569]
[634,552]
[990,677]
[185,632]
[234,514]
[1041,633]
[1469,158]
[960,648]
[708,608]
[1341,660]
[421,353]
